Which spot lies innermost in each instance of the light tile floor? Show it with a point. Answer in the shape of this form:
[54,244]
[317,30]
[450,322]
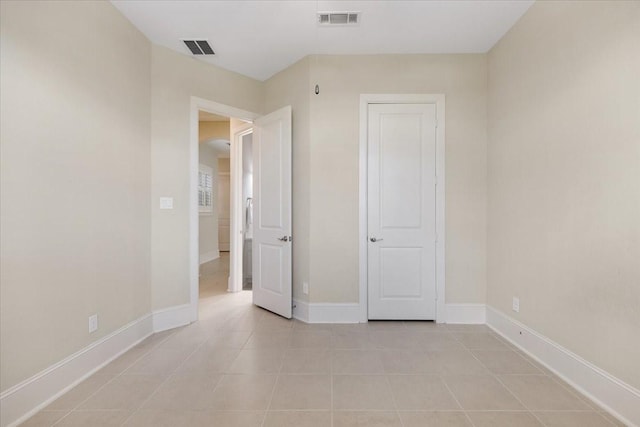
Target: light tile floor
[240,365]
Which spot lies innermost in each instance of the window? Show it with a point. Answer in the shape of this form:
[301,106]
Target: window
[205,189]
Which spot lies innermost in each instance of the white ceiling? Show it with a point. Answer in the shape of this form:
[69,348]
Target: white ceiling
[260,38]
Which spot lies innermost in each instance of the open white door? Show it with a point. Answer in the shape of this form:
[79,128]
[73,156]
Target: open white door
[272,212]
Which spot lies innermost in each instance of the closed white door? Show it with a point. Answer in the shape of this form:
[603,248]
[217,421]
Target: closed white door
[272,240]
[401,211]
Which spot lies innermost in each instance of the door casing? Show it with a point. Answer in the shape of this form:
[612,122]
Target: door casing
[198,104]
[439,101]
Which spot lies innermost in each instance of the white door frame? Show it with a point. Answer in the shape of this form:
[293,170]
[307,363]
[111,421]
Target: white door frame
[439,101]
[237,208]
[198,104]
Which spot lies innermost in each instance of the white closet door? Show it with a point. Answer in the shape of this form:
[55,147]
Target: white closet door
[401,211]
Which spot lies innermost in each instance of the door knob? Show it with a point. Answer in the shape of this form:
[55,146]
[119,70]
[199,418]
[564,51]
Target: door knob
[284,238]
[375,239]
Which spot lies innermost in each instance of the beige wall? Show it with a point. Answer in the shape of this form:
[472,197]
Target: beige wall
[213,130]
[208,222]
[564,178]
[224,165]
[334,158]
[75,171]
[175,78]
[292,87]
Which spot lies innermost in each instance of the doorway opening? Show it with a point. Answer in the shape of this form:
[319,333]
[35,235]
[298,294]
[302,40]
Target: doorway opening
[266,211]
[215,198]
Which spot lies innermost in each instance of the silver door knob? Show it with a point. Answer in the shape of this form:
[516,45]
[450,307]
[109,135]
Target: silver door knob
[284,238]
[375,239]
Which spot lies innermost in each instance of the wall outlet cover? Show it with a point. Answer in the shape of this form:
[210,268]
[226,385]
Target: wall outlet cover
[516,304]
[93,323]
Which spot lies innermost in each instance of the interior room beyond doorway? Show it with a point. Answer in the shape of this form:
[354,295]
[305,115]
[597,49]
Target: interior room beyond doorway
[214,204]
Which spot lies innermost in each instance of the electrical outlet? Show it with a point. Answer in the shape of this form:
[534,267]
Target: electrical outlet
[516,304]
[93,323]
[305,288]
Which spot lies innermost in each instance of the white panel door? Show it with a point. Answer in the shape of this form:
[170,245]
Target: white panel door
[272,212]
[401,211]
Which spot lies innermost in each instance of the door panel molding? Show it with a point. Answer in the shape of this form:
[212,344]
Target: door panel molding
[439,101]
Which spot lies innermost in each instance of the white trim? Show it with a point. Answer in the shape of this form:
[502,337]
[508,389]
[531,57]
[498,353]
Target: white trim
[236,213]
[173,317]
[439,100]
[300,310]
[23,400]
[473,314]
[612,394]
[209,256]
[197,104]
[334,313]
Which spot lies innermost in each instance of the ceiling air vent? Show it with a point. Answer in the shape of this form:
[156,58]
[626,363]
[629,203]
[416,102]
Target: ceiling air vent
[338,18]
[199,47]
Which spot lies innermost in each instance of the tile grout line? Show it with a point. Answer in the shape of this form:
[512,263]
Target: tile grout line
[171,373]
[331,379]
[466,414]
[495,376]
[393,398]
[115,376]
[273,391]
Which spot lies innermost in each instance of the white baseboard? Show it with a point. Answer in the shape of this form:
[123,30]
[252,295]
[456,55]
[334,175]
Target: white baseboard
[326,312]
[173,317]
[209,256]
[300,310]
[350,312]
[620,399]
[475,314]
[334,313]
[23,400]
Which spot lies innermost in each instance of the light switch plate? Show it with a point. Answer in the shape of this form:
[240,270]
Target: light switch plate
[166,202]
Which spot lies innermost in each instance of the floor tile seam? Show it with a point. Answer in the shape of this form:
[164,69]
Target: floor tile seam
[393,398]
[74,408]
[331,385]
[540,372]
[584,411]
[519,400]
[273,392]
[115,376]
[575,393]
[491,374]
[170,374]
[457,402]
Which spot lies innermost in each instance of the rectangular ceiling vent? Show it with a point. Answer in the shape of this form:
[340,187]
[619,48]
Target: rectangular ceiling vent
[338,18]
[199,47]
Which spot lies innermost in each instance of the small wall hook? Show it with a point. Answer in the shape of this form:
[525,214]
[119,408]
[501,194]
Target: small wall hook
[317,89]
